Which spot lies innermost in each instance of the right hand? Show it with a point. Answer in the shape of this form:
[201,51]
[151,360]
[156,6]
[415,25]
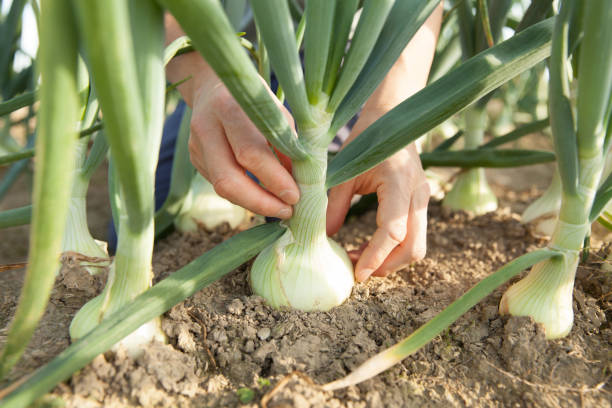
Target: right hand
[224,143]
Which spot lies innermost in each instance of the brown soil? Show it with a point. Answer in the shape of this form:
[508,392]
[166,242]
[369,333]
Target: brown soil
[227,345]
[14,241]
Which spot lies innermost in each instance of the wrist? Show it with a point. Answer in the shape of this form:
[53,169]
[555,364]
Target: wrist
[198,73]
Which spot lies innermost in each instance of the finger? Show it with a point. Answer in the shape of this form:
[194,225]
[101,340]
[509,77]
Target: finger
[413,248]
[338,204]
[229,179]
[355,254]
[252,153]
[392,220]
[202,127]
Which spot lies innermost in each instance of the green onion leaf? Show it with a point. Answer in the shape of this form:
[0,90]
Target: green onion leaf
[440,100]
[424,334]
[490,158]
[404,20]
[371,22]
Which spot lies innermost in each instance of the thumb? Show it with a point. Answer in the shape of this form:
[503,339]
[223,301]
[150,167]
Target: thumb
[339,202]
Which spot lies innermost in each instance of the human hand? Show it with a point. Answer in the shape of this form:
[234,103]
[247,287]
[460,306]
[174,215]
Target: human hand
[403,195]
[399,181]
[224,143]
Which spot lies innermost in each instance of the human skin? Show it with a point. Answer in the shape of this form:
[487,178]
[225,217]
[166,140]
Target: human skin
[224,143]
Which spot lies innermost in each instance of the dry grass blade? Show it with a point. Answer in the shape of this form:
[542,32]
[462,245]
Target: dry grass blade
[197,318]
[9,267]
[283,382]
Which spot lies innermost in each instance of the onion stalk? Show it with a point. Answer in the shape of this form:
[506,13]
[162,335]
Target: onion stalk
[470,191]
[546,293]
[424,334]
[304,269]
[77,238]
[545,210]
[133,114]
[129,275]
[59,111]
[477,31]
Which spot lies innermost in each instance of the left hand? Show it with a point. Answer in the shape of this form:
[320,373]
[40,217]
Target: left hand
[399,181]
[403,195]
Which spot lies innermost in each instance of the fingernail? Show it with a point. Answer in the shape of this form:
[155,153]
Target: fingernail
[364,274]
[284,213]
[289,196]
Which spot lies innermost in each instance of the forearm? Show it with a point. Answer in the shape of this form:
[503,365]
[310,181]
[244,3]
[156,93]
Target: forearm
[409,73]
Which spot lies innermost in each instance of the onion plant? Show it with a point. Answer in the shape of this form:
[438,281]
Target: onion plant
[470,190]
[132,101]
[581,148]
[323,98]
[582,144]
[544,211]
[57,135]
[77,240]
[14,86]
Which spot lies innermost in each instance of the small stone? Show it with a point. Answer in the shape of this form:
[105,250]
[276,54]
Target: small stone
[235,307]
[249,347]
[489,312]
[263,351]
[249,332]
[263,333]
[219,335]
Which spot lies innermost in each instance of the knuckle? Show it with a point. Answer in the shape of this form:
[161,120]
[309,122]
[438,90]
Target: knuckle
[422,194]
[248,155]
[396,231]
[224,186]
[226,105]
[194,158]
[377,259]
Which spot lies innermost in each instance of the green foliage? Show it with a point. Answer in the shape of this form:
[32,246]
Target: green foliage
[245,395]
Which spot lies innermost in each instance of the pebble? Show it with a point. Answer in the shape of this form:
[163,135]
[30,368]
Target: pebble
[249,347]
[263,333]
[219,335]
[235,307]
[249,332]
[489,312]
